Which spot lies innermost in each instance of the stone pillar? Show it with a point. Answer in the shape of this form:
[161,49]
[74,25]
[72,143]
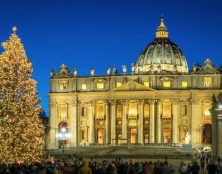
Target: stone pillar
[219,135]
[159,126]
[113,122]
[195,128]
[175,122]
[124,121]
[53,126]
[216,112]
[74,121]
[152,122]
[92,123]
[107,124]
[140,125]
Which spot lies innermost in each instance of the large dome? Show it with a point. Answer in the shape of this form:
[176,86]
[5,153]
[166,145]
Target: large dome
[161,55]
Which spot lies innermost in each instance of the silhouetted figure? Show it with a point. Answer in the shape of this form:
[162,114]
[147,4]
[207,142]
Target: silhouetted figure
[195,168]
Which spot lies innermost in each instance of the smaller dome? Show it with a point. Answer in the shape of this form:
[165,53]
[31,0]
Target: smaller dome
[161,55]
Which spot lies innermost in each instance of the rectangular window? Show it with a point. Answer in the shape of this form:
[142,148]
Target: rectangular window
[118,84]
[147,84]
[99,85]
[63,85]
[83,86]
[184,84]
[166,84]
[207,81]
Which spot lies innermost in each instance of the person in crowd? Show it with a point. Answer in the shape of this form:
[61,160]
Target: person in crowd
[211,167]
[188,168]
[131,168]
[122,168]
[195,168]
[183,168]
[111,169]
[85,169]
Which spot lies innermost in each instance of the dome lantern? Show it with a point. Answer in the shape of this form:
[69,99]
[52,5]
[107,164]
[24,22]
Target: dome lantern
[162,30]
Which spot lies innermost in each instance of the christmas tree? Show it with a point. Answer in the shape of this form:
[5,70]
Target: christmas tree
[20,123]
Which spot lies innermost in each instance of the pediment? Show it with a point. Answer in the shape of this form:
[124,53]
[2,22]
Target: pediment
[132,86]
[62,73]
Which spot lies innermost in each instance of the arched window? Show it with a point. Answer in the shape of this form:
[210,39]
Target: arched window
[207,133]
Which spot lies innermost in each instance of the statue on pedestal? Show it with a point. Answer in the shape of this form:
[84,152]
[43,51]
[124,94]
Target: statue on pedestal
[92,71]
[124,69]
[114,70]
[133,68]
[75,71]
[187,138]
[52,73]
[108,71]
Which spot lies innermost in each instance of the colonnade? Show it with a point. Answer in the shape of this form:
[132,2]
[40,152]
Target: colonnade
[155,122]
[153,126]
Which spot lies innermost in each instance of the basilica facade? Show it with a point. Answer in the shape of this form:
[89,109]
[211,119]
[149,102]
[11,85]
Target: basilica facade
[159,101]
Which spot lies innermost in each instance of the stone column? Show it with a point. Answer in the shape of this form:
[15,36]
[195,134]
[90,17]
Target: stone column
[175,125]
[74,121]
[107,124]
[53,126]
[195,128]
[216,112]
[124,121]
[219,135]
[113,122]
[152,122]
[159,126]
[140,126]
[92,123]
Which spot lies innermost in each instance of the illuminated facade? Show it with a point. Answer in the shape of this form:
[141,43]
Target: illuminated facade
[158,102]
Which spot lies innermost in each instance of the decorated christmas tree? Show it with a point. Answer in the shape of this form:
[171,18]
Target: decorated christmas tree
[20,123]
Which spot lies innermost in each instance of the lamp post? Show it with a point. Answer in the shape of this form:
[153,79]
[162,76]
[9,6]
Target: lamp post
[63,135]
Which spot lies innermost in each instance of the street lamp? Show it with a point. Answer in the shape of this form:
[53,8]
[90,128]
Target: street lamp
[63,135]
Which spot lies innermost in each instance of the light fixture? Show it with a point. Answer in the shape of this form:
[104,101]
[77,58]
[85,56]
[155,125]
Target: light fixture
[63,129]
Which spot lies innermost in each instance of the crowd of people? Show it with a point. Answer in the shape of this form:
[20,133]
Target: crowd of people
[79,166]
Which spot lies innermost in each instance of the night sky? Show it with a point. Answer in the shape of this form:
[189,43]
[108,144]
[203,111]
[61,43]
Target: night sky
[99,34]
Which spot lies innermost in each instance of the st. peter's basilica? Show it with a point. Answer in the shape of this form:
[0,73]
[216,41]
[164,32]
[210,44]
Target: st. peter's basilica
[158,100]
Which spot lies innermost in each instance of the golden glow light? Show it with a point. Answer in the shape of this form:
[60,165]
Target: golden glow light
[147,84]
[83,86]
[207,81]
[184,84]
[118,84]
[99,85]
[166,84]
[20,123]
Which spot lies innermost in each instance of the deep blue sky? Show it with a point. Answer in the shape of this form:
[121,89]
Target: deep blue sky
[103,33]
